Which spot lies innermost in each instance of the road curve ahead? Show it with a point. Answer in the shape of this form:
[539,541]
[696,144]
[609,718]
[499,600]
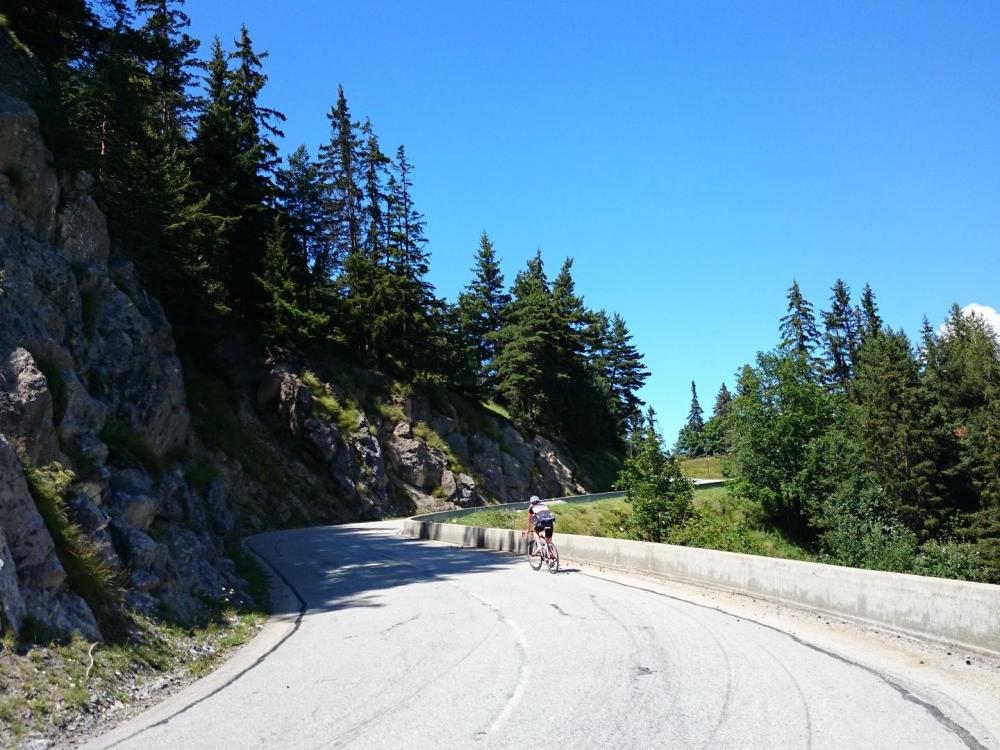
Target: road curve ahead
[408,644]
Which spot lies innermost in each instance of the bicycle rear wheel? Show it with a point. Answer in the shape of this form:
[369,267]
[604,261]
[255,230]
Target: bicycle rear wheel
[553,558]
[534,555]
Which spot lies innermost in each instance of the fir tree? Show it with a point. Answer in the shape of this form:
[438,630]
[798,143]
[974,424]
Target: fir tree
[722,402]
[480,310]
[341,161]
[300,197]
[841,337]
[870,322]
[798,327]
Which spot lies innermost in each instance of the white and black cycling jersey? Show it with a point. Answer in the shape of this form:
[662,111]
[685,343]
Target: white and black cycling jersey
[541,512]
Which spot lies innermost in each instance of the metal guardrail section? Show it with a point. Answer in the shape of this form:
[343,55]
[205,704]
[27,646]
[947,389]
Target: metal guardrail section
[953,612]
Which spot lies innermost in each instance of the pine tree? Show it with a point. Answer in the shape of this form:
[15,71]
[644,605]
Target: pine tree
[525,346]
[798,327]
[625,374]
[341,162]
[689,441]
[841,337]
[906,440]
[870,322]
[300,197]
[285,320]
[374,166]
[480,310]
[722,402]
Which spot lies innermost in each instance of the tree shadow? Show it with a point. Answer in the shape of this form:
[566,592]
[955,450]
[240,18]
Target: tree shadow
[339,567]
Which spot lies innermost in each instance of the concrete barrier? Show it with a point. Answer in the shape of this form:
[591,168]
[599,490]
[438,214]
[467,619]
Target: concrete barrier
[953,612]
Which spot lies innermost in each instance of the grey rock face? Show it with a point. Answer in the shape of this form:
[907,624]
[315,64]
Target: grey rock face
[26,407]
[12,609]
[27,164]
[40,576]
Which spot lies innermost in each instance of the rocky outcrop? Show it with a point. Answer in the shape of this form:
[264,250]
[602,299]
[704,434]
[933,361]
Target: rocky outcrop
[439,460]
[82,344]
[40,590]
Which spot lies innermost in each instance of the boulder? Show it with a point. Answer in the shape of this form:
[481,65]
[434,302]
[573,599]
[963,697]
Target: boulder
[322,438]
[83,230]
[31,547]
[32,184]
[26,407]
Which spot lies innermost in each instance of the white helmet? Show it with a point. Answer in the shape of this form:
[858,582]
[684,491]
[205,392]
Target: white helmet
[534,500]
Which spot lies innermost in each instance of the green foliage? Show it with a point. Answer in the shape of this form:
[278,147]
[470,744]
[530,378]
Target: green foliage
[780,408]
[344,415]
[127,448]
[423,431]
[87,573]
[659,494]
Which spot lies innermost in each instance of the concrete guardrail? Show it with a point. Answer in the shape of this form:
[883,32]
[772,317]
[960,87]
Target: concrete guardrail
[953,612]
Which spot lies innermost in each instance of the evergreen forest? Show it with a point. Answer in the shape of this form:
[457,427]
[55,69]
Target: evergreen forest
[871,449]
[322,251]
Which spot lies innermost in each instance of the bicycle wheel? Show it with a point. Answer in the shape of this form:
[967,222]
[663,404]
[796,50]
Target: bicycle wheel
[553,559]
[534,555]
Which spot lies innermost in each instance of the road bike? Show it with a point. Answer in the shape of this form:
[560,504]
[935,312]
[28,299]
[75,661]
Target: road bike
[542,554]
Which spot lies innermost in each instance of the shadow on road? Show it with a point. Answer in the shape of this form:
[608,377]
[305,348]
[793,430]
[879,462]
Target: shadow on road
[338,567]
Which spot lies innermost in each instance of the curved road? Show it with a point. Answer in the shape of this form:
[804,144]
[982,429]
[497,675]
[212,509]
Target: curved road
[390,642]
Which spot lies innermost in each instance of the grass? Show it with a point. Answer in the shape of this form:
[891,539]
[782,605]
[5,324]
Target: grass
[707,467]
[127,448]
[719,522]
[215,409]
[47,686]
[344,415]
[423,431]
[86,571]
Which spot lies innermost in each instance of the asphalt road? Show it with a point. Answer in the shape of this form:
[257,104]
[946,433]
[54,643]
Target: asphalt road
[393,643]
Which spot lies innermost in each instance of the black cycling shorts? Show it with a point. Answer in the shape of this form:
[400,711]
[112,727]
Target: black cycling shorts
[545,526]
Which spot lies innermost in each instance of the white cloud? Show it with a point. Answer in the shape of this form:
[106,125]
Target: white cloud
[985,312]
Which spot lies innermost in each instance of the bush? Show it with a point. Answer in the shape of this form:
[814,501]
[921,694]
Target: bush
[659,494]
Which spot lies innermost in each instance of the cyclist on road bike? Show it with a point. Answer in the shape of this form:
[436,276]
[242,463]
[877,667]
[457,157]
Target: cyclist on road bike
[540,519]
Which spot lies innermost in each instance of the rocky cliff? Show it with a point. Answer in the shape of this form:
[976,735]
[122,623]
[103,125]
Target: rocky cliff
[118,469]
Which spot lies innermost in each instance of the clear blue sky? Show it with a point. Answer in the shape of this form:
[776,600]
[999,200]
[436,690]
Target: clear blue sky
[693,158]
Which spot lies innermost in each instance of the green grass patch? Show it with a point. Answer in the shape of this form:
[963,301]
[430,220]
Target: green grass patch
[128,448]
[86,571]
[344,415]
[423,431]
[497,409]
[706,467]
[719,522]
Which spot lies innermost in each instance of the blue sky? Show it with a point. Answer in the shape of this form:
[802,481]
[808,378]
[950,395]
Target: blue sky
[693,158]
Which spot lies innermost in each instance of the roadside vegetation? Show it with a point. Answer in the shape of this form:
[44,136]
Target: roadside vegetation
[51,687]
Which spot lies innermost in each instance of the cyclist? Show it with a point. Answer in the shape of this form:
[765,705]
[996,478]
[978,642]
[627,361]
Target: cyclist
[541,519]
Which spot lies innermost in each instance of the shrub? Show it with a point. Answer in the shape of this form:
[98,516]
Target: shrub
[659,494]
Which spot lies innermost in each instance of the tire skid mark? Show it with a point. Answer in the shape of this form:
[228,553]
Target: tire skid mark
[798,689]
[963,734]
[635,686]
[523,667]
